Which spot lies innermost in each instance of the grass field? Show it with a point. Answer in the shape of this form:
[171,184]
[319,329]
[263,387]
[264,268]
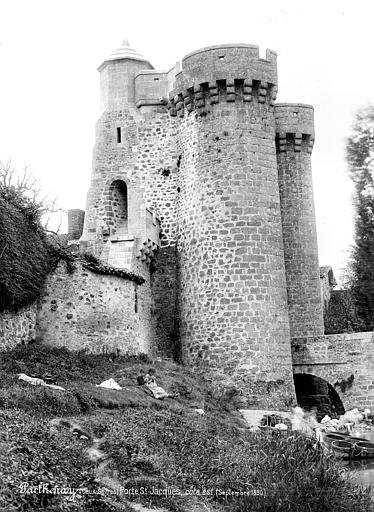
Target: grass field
[138,453]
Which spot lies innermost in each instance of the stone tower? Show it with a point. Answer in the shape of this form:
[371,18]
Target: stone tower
[197,180]
[295,139]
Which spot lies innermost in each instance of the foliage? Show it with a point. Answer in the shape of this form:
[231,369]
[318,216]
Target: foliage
[360,158]
[26,256]
[97,266]
[341,315]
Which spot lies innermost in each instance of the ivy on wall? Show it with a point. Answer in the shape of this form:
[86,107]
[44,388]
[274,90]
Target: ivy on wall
[26,256]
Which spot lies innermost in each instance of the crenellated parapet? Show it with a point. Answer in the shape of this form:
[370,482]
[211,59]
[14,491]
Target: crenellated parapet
[294,126]
[225,73]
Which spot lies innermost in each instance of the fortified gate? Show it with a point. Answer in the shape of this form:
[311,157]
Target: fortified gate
[202,185]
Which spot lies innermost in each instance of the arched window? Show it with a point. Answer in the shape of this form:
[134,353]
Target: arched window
[117,209]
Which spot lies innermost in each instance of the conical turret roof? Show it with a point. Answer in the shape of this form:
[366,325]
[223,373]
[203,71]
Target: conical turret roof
[124,52]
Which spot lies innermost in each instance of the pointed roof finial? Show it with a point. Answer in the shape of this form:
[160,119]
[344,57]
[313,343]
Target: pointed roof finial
[124,52]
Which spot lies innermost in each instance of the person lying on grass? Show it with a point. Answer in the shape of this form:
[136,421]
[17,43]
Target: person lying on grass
[149,381]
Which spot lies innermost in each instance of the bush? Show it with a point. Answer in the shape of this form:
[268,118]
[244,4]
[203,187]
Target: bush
[342,315]
[26,257]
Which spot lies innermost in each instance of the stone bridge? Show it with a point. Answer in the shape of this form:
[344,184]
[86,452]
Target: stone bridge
[337,368]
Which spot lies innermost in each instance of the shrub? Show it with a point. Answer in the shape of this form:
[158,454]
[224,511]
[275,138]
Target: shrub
[26,256]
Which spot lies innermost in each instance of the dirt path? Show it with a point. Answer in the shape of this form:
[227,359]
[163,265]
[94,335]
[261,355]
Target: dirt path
[106,476]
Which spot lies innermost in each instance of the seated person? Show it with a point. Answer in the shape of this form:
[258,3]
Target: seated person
[157,391]
[141,377]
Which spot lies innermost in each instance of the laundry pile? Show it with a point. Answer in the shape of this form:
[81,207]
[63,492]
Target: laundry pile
[109,384]
[35,381]
[353,419]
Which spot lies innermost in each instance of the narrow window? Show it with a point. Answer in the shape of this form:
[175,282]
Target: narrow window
[136,300]
[119,135]
[221,57]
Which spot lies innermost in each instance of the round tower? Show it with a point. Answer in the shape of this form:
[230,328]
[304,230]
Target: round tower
[233,299]
[294,141]
[110,197]
[117,77]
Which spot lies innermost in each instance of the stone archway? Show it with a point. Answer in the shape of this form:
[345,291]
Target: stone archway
[313,392]
[117,209]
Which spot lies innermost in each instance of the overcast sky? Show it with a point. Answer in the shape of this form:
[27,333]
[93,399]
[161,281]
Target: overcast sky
[49,86]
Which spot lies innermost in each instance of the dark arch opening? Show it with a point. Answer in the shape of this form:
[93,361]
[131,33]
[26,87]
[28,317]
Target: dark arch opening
[118,206]
[315,393]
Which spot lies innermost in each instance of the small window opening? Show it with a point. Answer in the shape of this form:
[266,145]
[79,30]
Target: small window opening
[136,300]
[119,135]
[156,79]
[295,114]
[221,57]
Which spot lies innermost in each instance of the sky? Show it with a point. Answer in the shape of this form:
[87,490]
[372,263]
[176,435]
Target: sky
[49,84]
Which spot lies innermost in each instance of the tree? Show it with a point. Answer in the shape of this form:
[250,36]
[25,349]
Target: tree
[24,187]
[26,253]
[360,158]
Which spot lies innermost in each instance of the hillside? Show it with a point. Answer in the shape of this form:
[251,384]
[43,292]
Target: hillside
[138,453]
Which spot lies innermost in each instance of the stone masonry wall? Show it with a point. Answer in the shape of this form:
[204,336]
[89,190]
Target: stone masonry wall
[111,161]
[157,168]
[16,328]
[232,295]
[147,160]
[345,361]
[85,310]
[164,287]
[233,301]
[75,224]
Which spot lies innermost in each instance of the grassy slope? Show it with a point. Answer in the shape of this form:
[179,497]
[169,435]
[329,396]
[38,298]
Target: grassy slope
[145,444]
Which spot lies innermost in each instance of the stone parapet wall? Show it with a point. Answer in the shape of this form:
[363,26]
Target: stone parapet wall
[230,61]
[16,328]
[294,118]
[224,73]
[151,87]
